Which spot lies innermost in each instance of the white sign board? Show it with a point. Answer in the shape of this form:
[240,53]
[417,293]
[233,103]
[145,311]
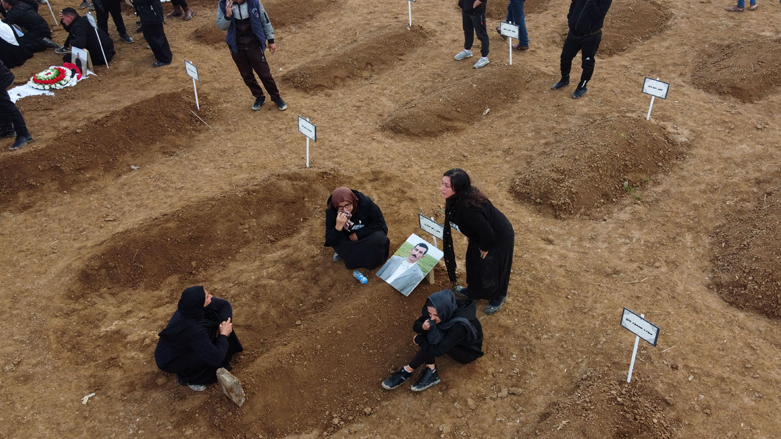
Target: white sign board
[192,71]
[640,326]
[429,225]
[92,20]
[655,88]
[510,30]
[307,128]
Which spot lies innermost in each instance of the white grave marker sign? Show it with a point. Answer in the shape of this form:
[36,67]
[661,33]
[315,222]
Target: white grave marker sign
[310,131]
[655,88]
[192,72]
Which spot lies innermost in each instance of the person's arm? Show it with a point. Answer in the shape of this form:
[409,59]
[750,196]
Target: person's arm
[223,308]
[598,9]
[374,221]
[223,20]
[78,37]
[268,29]
[418,325]
[453,337]
[211,353]
[332,235]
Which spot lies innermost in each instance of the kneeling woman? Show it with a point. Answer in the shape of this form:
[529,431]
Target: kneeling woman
[356,229]
[198,340]
[447,327]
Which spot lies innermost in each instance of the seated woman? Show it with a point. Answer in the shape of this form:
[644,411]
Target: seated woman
[355,228]
[198,340]
[447,327]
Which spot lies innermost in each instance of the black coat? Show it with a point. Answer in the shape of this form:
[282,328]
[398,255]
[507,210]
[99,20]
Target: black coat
[6,77]
[456,335]
[13,56]
[25,17]
[468,6]
[82,35]
[587,16]
[150,11]
[366,213]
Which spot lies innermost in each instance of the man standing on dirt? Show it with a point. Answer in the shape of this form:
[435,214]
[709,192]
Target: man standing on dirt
[150,12]
[585,19]
[11,120]
[473,21]
[249,28]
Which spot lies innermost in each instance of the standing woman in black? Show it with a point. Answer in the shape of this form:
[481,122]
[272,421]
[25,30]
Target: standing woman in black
[489,256]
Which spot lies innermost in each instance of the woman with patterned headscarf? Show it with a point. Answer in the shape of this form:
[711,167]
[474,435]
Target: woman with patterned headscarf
[198,340]
[446,326]
[489,255]
[356,229]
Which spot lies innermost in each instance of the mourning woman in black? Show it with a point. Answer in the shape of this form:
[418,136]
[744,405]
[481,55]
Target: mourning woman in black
[356,229]
[446,326]
[489,255]
[198,340]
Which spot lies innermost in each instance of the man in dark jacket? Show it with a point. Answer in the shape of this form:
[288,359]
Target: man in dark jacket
[37,34]
[11,120]
[150,12]
[473,21]
[114,7]
[249,28]
[82,35]
[585,19]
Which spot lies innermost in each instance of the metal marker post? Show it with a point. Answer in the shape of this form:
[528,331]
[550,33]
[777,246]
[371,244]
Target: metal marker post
[95,26]
[634,355]
[409,3]
[657,89]
[192,72]
[197,105]
[56,23]
[307,148]
[510,31]
[309,130]
[650,108]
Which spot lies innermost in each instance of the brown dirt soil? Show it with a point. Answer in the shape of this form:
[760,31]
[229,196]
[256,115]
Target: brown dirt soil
[96,253]
[747,69]
[747,250]
[459,104]
[360,60]
[597,166]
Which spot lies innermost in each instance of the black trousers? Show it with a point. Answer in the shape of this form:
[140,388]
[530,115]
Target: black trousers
[181,3]
[254,59]
[113,7]
[10,116]
[588,47]
[33,41]
[458,353]
[475,24]
[155,36]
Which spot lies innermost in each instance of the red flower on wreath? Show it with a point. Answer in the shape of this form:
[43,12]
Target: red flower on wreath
[60,76]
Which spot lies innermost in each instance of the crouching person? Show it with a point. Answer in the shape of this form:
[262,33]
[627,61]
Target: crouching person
[198,340]
[446,326]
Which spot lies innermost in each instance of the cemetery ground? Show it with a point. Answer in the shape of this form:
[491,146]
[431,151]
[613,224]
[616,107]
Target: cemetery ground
[125,198]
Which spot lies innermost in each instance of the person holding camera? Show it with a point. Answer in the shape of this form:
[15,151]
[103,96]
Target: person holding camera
[473,22]
[198,340]
[446,327]
[249,31]
[355,228]
[585,20]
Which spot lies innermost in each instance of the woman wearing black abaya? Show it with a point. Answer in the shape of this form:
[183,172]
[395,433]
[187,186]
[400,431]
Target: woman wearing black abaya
[12,54]
[198,340]
[489,255]
[356,229]
[446,326]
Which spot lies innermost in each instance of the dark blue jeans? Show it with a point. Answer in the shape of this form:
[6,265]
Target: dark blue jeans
[516,16]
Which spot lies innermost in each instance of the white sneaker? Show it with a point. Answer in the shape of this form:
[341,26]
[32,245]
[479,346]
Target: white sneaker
[482,62]
[197,387]
[464,54]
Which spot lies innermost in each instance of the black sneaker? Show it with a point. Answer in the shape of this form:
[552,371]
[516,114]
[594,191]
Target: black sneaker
[21,141]
[281,105]
[427,379]
[563,82]
[397,379]
[259,102]
[126,38]
[461,292]
[494,306]
[579,92]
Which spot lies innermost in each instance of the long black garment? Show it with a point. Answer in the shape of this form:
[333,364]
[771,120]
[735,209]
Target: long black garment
[455,342]
[82,35]
[372,247]
[35,27]
[13,56]
[150,12]
[489,230]
[104,8]
[10,117]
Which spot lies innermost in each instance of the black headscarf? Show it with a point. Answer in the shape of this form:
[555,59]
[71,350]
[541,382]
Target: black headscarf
[198,319]
[445,303]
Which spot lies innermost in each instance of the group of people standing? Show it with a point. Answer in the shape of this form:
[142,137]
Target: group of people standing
[585,20]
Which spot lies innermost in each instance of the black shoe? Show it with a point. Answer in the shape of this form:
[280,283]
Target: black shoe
[161,64]
[397,379]
[281,105]
[9,133]
[427,379]
[579,92]
[126,38]
[84,5]
[50,43]
[494,306]
[21,141]
[259,102]
[563,82]
[461,292]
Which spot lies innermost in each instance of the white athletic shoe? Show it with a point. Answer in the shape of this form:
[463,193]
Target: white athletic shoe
[464,54]
[482,62]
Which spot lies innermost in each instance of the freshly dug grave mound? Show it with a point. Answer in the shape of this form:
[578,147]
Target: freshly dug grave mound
[747,69]
[747,253]
[460,104]
[134,135]
[287,12]
[497,10]
[361,60]
[210,34]
[598,164]
[601,406]
[210,233]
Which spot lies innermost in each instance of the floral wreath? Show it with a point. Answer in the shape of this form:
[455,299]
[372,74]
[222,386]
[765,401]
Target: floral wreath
[52,78]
